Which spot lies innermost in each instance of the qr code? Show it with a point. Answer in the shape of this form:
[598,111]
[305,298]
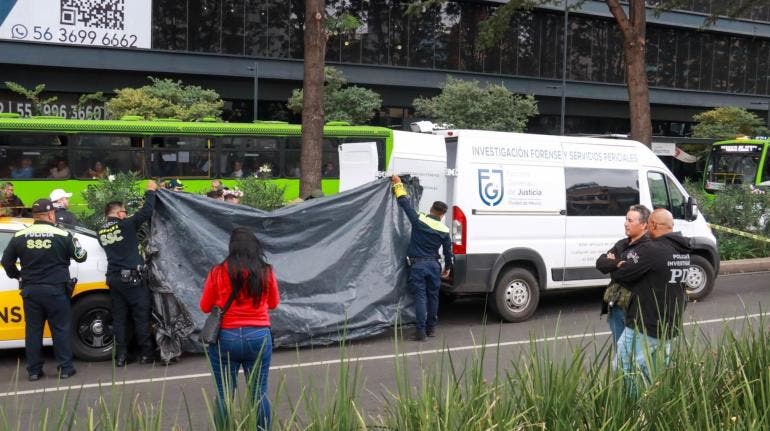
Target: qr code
[107,14]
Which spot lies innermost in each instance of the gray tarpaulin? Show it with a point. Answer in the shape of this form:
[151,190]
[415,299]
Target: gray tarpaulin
[339,260]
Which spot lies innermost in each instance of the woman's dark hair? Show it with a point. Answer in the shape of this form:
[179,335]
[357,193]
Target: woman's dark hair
[246,263]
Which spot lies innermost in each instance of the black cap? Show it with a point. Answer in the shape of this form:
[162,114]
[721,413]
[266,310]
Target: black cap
[42,206]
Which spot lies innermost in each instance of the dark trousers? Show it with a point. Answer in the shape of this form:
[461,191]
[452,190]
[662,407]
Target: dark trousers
[252,349]
[130,302]
[424,282]
[49,303]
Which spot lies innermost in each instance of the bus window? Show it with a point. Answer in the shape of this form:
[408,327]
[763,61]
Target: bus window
[244,155]
[291,157]
[28,156]
[180,156]
[766,173]
[330,157]
[96,156]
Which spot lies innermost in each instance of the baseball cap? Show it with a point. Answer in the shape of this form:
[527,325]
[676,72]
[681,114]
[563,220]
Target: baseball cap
[58,194]
[42,206]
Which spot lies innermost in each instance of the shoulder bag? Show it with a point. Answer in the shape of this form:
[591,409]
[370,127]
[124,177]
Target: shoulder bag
[210,332]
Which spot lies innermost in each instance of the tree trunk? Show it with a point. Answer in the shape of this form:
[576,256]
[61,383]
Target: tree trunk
[313,100]
[633,29]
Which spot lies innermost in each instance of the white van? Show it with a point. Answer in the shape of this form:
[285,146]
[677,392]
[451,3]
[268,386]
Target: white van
[534,212]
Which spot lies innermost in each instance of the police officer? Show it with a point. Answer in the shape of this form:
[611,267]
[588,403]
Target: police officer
[45,252]
[128,292]
[428,234]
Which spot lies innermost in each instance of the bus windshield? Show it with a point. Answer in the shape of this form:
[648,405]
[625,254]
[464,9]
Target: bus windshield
[732,164]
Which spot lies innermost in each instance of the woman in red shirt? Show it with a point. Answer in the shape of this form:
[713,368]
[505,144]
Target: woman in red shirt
[244,339]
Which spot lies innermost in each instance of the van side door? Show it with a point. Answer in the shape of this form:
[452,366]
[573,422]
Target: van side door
[598,197]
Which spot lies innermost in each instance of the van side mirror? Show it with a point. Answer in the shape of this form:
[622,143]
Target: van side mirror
[691,209]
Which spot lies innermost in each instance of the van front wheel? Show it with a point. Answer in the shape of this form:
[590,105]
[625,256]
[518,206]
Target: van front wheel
[700,278]
[516,295]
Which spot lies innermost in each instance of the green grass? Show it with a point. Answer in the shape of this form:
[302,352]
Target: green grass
[712,383]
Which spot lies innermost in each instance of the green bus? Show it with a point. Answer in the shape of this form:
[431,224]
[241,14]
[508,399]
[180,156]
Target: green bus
[40,154]
[737,161]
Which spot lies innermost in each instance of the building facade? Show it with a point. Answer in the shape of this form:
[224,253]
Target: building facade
[231,45]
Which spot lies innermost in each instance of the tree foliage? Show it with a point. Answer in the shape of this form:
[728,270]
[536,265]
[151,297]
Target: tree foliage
[353,104]
[468,105]
[33,95]
[166,98]
[726,123]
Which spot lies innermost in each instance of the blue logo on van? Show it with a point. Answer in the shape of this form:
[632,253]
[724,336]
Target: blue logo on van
[5,9]
[491,186]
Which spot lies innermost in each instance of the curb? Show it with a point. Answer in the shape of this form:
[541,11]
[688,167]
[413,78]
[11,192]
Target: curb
[744,265]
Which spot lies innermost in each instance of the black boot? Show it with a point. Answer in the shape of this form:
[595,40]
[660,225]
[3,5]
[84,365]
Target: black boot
[431,332]
[419,335]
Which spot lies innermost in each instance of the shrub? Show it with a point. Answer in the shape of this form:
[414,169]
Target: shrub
[123,187]
[260,193]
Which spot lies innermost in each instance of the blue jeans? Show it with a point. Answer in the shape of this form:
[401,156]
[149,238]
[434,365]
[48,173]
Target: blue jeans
[49,303]
[616,318]
[424,282]
[252,349]
[639,357]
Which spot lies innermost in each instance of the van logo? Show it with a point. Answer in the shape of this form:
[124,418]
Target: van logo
[491,186]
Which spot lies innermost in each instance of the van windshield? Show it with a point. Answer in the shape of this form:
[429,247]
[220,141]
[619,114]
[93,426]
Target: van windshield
[732,165]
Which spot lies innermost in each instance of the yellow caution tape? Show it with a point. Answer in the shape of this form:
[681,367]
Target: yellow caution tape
[739,233]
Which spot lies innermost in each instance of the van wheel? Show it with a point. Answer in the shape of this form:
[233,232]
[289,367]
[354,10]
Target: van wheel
[92,338]
[700,278]
[516,295]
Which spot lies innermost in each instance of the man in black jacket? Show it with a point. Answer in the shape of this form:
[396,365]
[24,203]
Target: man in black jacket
[44,251]
[655,273]
[61,203]
[128,292]
[616,297]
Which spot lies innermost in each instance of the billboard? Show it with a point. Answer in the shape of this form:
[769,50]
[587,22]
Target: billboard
[108,23]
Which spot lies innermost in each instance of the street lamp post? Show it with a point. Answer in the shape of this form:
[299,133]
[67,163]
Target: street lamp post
[564,68]
[255,69]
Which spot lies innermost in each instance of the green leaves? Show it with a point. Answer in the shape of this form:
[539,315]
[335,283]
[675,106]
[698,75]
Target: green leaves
[166,98]
[32,95]
[468,105]
[353,104]
[124,187]
[727,122]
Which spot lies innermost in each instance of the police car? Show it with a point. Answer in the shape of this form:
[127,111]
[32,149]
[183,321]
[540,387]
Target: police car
[92,338]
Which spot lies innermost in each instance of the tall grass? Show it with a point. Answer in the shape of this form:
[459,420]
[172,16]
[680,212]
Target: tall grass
[719,383]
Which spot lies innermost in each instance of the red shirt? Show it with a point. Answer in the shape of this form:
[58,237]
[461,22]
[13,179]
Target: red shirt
[242,312]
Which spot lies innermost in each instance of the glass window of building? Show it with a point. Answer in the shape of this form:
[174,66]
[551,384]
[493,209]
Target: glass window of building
[169,24]
[720,56]
[296,26]
[471,54]
[256,22]
[706,61]
[687,60]
[527,44]
[399,33]
[615,63]
[667,58]
[205,24]
[551,52]
[233,26]
[739,59]
[375,15]
[422,29]
[447,37]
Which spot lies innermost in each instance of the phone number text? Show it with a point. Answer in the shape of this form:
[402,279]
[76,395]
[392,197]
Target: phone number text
[73,36]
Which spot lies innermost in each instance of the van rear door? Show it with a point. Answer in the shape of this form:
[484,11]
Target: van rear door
[358,164]
[423,156]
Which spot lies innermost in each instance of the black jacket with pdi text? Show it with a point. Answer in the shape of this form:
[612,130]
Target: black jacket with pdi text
[655,272]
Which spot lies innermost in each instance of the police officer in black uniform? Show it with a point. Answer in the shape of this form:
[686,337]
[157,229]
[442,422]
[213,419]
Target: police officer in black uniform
[128,291]
[428,234]
[45,252]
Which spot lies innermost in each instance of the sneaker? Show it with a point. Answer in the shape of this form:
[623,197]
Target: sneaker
[121,362]
[67,374]
[431,332]
[419,335]
[33,377]
[146,360]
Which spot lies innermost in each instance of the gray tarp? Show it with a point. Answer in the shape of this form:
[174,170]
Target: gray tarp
[339,260]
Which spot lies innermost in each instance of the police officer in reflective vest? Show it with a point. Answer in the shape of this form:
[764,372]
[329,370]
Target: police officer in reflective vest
[45,252]
[428,234]
[128,291]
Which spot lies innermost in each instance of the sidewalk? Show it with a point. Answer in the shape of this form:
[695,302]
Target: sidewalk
[744,265]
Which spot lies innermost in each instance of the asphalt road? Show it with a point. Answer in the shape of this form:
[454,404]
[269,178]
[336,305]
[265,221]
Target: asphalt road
[563,319]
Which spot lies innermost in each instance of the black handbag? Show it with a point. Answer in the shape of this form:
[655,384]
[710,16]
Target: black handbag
[210,332]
